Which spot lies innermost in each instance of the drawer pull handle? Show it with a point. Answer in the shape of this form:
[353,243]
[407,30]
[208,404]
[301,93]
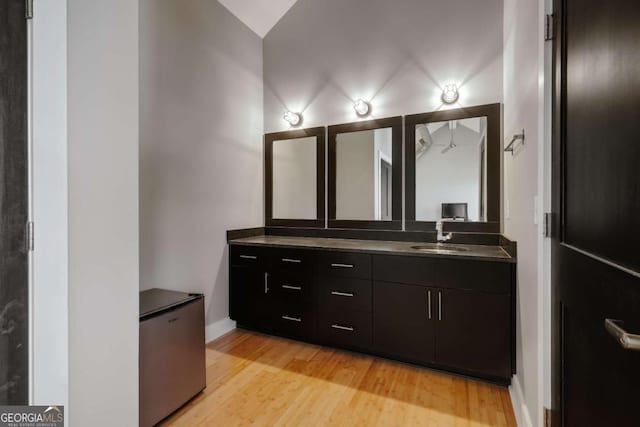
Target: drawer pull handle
[293,288]
[293,261]
[292,319]
[266,283]
[429,303]
[342,294]
[342,265]
[625,339]
[248,257]
[343,328]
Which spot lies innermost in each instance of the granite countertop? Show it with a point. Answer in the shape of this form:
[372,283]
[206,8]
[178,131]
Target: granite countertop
[472,252]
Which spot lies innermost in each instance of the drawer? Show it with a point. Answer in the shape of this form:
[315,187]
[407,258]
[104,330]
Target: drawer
[241,255]
[345,328]
[294,320]
[405,269]
[292,287]
[344,264]
[340,294]
[483,276]
[292,261]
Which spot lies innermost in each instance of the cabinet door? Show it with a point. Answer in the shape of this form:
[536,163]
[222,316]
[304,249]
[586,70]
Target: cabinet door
[404,321]
[250,297]
[473,332]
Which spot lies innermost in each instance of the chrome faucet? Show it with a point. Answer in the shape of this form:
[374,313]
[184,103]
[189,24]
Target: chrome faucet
[442,237]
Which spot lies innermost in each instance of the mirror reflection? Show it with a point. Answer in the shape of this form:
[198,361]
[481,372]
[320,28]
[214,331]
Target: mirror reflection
[295,178]
[363,175]
[451,165]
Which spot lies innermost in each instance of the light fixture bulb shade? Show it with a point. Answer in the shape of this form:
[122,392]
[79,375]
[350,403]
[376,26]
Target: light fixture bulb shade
[362,107]
[294,119]
[450,94]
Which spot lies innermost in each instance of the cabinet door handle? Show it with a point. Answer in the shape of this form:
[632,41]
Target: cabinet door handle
[343,328]
[293,288]
[292,319]
[291,260]
[248,257]
[439,305]
[625,339]
[266,283]
[429,303]
[342,265]
[342,294]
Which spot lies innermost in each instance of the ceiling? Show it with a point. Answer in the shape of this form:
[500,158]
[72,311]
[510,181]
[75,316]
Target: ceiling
[259,15]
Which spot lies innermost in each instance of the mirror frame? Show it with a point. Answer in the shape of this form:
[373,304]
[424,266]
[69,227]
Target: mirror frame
[269,139]
[395,123]
[493,113]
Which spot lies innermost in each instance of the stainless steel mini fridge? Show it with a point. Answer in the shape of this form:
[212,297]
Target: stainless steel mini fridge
[172,352]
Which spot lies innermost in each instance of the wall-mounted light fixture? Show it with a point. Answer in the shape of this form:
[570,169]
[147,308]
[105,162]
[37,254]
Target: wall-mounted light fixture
[362,107]
[294,119]
[450,93]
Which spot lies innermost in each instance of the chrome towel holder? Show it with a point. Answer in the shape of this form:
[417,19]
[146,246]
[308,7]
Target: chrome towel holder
[516,137]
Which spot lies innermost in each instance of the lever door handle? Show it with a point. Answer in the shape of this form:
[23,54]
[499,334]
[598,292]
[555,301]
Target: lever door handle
[625,339]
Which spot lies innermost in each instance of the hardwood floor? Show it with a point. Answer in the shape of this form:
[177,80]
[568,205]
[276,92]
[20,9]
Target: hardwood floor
[255,379]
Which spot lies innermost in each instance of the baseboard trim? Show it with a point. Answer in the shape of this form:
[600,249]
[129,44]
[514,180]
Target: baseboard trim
[218,329]
[523,419]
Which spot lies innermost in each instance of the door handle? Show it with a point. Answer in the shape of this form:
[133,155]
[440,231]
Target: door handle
[439,305]
[429,303]
[625,339]
[266,283]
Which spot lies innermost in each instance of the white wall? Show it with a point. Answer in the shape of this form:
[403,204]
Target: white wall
[524,108]
[295,178]
[49,376]
[322,55]
[201,158]
[103,212]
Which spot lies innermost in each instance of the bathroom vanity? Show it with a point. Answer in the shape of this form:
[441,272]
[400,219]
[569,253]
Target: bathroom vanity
[346,261]
[444,306]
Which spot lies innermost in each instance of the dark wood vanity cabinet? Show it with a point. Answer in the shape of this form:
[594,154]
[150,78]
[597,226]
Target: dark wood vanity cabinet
[404,323]
[446,313]
[473,332]
[272,290]
[458,314]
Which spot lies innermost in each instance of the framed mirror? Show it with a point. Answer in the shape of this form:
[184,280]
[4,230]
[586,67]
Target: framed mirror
[294,178]
[453,170]
[365,174]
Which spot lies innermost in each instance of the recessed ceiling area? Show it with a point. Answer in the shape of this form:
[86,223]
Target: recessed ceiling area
[259,15]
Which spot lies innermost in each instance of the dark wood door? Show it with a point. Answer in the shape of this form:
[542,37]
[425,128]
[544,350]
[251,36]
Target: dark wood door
[250,297]
[596,207]
[404,321]
[13,204]
[473,332]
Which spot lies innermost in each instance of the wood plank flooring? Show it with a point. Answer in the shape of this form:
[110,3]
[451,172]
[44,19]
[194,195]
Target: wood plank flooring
[255,379]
